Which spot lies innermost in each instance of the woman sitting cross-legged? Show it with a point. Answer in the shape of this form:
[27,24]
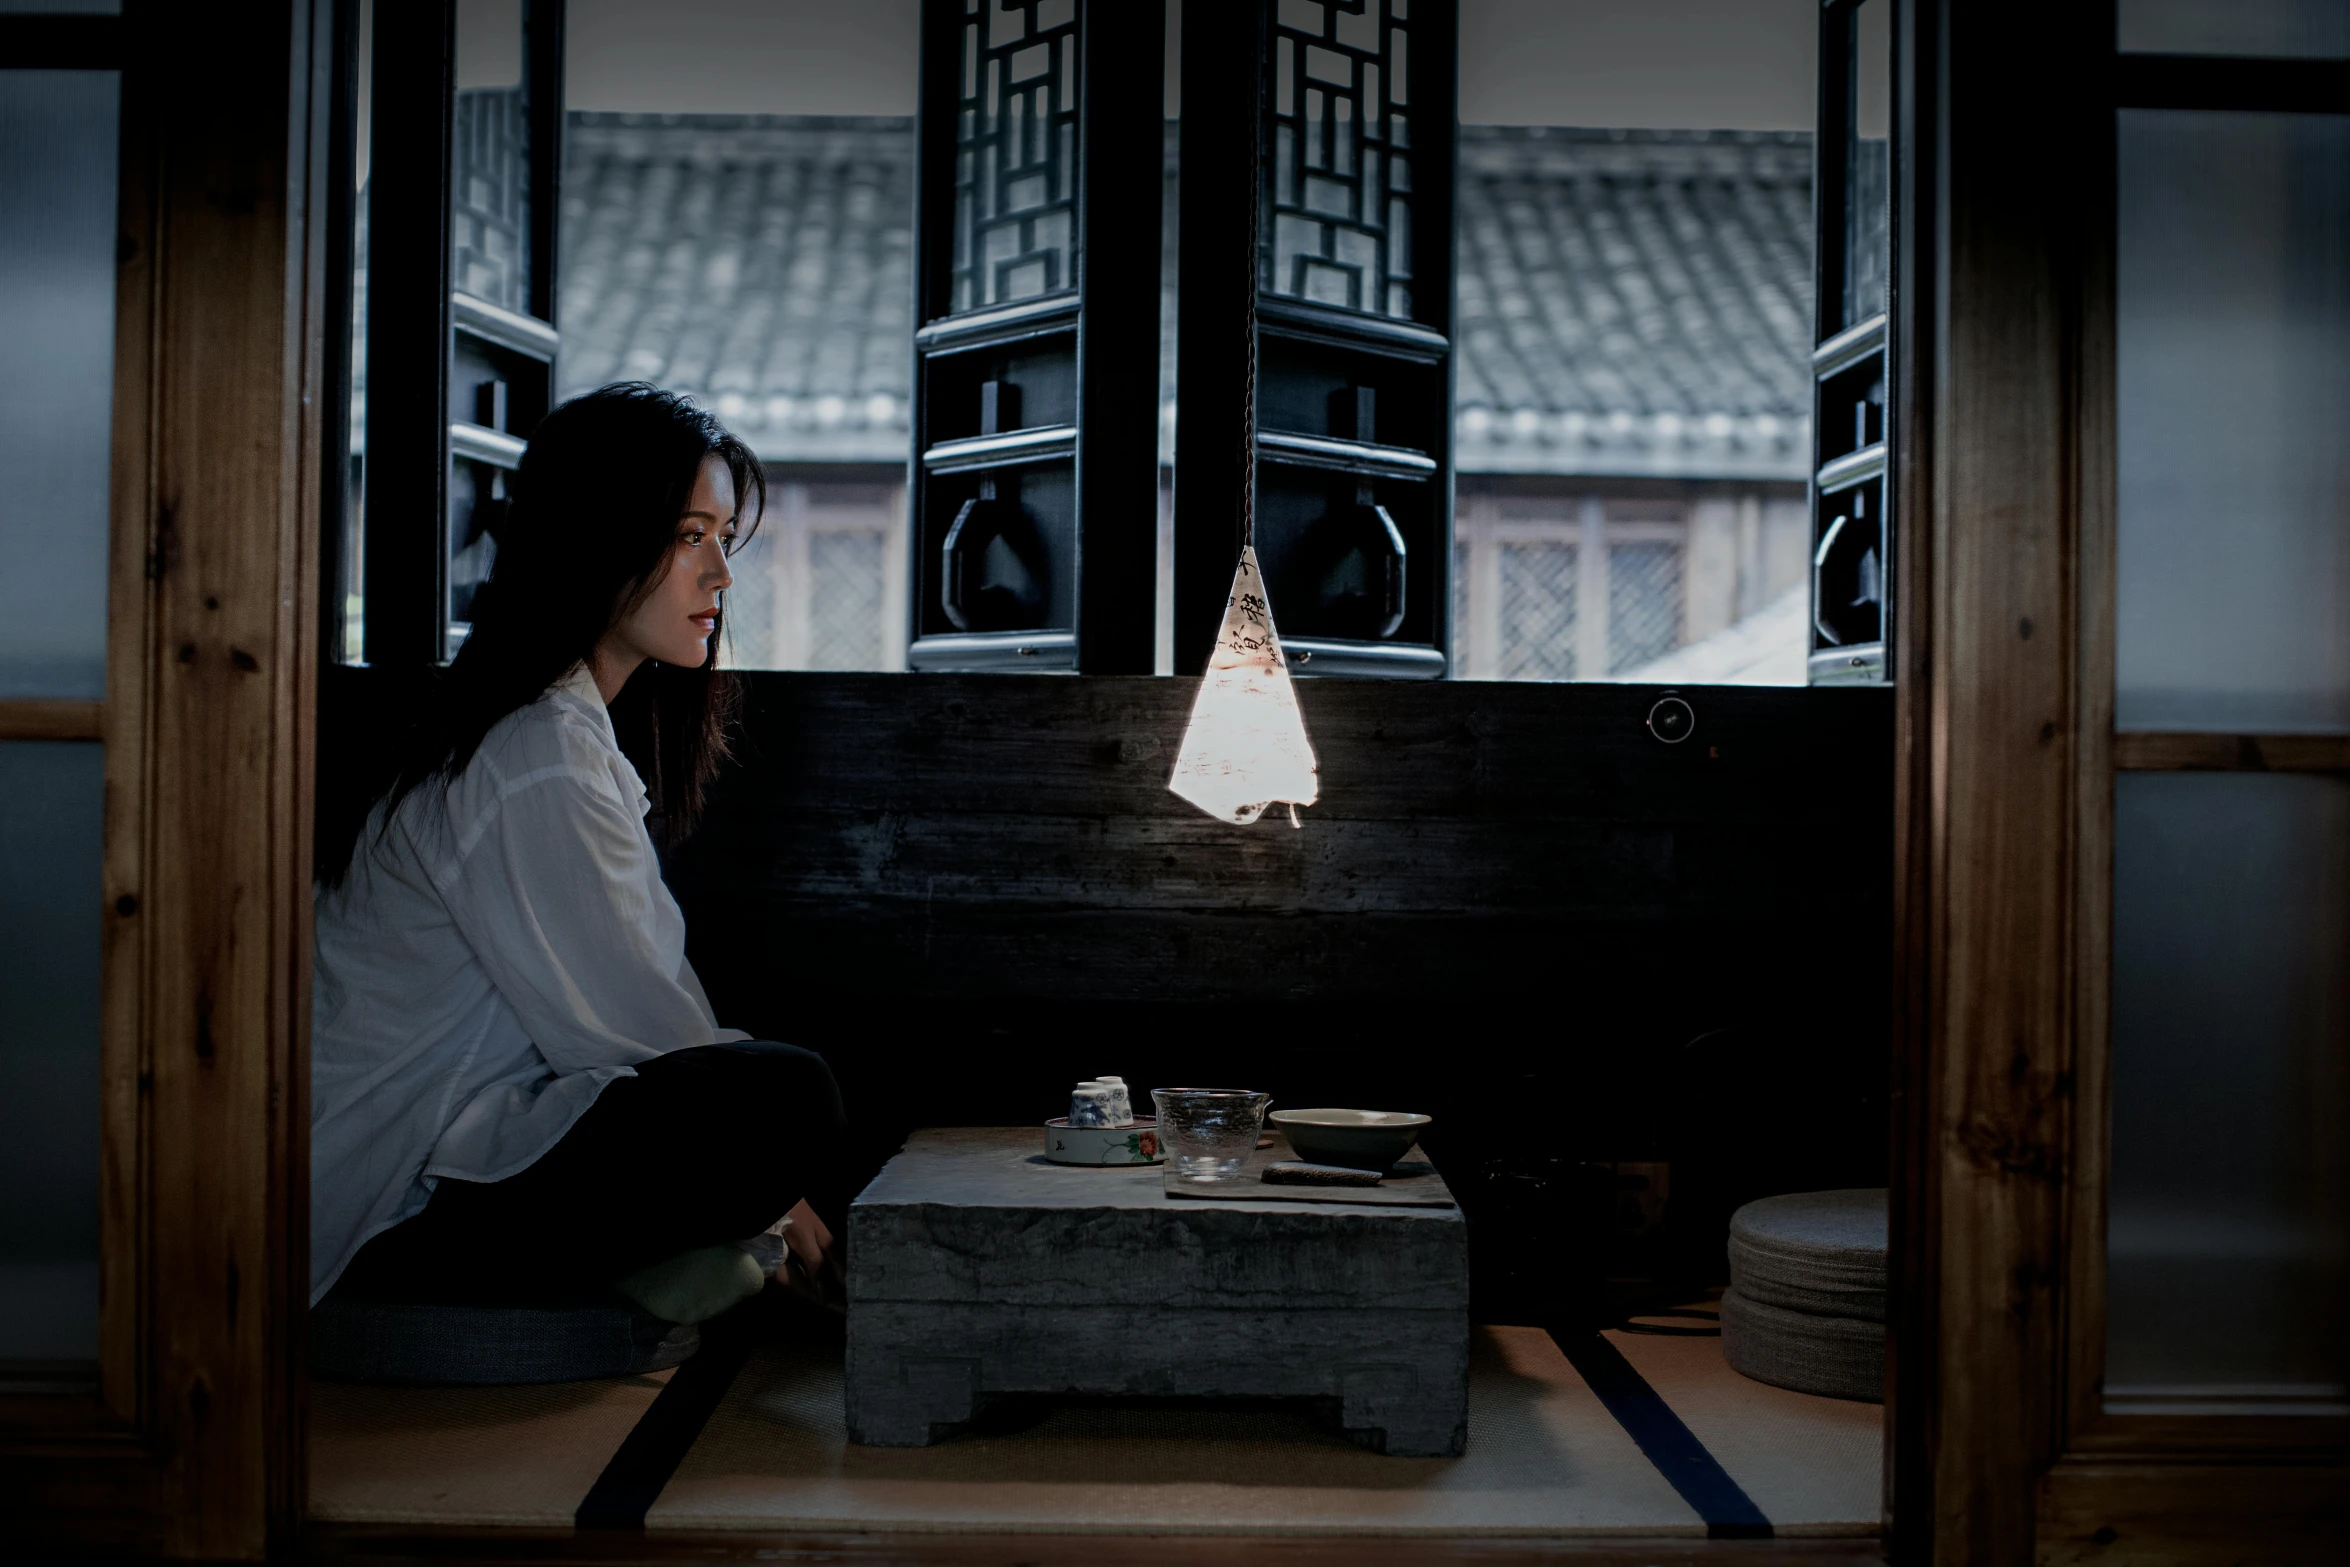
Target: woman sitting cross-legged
[519,1091]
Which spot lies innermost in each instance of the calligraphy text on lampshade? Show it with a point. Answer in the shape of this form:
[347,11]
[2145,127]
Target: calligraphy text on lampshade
[1245,746]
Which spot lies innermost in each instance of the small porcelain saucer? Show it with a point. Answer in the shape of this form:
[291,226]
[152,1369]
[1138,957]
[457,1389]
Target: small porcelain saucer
[1098,1145]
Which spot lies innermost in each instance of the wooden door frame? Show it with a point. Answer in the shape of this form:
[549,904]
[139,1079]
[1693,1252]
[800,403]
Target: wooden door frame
[192,1443]
[2000,1449]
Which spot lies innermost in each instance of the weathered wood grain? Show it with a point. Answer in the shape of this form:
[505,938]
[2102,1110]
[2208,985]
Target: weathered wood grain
[404,1545]
[27,718]
[960,886]
[206,940]
[2153,1514]
[1031,818]
[2226,753]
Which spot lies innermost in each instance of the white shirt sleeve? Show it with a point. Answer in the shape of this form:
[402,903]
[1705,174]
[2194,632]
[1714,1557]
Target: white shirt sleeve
[561,897]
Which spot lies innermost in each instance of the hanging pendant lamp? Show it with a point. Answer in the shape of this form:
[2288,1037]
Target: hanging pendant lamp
[1246,745]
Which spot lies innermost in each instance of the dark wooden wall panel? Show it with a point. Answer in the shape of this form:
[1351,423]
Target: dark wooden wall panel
[955,838]
[969,890]
[1514,908]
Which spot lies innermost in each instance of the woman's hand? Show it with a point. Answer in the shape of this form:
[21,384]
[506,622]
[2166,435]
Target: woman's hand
[813,1252]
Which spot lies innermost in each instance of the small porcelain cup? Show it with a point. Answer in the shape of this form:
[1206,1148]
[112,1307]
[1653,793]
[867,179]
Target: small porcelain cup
[1209,1132]
[1090,1104]
[1121,1105]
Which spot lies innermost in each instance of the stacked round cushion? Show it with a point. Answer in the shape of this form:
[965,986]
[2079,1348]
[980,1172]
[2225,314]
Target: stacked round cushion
[1806,1303]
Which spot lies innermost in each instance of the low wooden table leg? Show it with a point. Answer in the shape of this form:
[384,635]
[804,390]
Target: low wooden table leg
[1385,1408]
[910,1402]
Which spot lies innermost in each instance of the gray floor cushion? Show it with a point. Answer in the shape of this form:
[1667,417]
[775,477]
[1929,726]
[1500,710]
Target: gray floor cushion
[1806,1303]
[378,1341]
[1817,1252]
[1835,1357]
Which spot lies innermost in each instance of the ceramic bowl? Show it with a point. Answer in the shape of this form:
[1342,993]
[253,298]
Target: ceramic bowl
[1360,1139]
[1136,1144]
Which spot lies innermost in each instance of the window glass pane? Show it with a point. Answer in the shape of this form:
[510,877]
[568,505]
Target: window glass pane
[740,228]
[57,237]
[1632,424]
[1634,325]
[1868,163]
[489,205]
[2231,1099]
[348,608]
[49,892]
[2233,390]
[1170,192]
[2281,28]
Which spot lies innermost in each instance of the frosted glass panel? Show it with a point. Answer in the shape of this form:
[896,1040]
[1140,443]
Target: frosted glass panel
[2231,1098]
[57,228]
[2233,393]
[2280,28]
[49,911]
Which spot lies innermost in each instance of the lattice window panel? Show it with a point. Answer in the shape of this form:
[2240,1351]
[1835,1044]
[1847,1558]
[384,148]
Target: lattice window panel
[489,197]
[1539,614]
[1016,152]
[1339,203]
[1644,586]
[846,578]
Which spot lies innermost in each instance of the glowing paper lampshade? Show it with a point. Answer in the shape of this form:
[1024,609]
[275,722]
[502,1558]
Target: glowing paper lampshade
[1246,744]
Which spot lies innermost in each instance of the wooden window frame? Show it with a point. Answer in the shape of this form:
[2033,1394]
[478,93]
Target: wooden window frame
[415,433]
[2004,759]
[1110,314]
[1221,286]
[1840,351]
[2102,1446]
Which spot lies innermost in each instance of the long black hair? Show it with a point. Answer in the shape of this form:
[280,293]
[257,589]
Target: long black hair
[591,530]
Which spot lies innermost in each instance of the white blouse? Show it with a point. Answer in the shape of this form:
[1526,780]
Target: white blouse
[488,965]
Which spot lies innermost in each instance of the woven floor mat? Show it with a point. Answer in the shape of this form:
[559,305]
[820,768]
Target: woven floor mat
[1545,1457]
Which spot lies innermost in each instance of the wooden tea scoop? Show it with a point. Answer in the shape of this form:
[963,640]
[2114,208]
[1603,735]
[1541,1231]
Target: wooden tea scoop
[1296,1172]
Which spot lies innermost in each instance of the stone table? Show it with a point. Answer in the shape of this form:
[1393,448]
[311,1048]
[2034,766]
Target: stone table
[978,1268]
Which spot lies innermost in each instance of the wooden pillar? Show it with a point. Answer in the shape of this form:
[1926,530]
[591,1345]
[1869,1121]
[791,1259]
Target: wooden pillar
[1991,203]
[193,1445]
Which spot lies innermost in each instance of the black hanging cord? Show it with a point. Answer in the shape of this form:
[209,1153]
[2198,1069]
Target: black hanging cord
[1248,398]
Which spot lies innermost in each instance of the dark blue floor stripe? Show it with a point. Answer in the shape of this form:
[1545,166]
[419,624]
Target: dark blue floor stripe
[1729,1513]
[669,1427]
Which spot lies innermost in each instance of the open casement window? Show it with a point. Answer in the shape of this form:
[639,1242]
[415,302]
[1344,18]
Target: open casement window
[1034,479]
[1335,122]
[459,216]
[1852,529]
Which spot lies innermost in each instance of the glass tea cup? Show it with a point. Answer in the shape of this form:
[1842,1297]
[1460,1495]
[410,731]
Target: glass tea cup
[1209,1132]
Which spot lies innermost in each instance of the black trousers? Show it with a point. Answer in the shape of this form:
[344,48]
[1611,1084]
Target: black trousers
[701,1147]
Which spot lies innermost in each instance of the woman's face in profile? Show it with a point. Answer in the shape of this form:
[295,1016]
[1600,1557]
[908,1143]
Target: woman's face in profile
[674,620]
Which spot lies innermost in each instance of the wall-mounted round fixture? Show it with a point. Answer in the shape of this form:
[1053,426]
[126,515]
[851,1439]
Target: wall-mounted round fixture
[1672,720]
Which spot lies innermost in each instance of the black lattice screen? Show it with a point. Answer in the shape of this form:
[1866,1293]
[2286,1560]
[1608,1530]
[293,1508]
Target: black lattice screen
[1339,202]
[1016,152]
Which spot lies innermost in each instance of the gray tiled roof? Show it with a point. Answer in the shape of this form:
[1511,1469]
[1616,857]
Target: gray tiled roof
[1633,302]
[1630,302]
[762,264]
